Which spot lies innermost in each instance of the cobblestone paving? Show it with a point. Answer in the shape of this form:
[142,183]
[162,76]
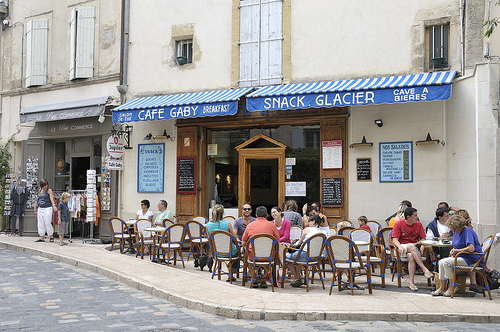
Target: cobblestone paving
[39,294]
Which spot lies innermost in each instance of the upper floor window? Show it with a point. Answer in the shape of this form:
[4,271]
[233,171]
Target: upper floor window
[437,38]
[185,51]
[36,52]
[261,38]
[82,43]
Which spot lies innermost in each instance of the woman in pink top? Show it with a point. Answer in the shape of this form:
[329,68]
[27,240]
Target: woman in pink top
[283,226]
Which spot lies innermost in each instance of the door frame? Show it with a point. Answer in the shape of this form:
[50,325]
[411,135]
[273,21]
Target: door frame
[246,154]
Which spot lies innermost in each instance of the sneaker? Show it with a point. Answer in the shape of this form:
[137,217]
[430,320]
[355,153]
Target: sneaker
[61,244]
[297,283]
[413,288]
[448,292]
[263,284]
[255,285]
[40,240]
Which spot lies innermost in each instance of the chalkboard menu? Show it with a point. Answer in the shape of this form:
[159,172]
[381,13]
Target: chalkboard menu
[186,175]
[332,191]
[364,167]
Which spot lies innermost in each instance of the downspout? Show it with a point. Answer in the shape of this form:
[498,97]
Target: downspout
[462,9]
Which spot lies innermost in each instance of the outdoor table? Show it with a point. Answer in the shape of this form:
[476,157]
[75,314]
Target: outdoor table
[437,244]
[130,225]
[157,229]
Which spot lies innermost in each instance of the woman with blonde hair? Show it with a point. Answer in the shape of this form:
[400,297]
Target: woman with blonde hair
[399,215]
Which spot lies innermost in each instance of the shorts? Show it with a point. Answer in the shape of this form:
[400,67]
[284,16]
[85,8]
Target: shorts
[405,246]
[62,228]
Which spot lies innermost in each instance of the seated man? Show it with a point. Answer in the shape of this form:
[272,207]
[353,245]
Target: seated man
[163,214]
[437,229]
[241,223]
[405,235]
[260,225]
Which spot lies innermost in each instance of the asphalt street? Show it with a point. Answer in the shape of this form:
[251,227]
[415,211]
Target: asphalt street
[39,294]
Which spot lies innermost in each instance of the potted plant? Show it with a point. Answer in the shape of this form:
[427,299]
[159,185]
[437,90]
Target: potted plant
[182,60]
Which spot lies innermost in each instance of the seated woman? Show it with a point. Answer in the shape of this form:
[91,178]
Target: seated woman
[144,212]
[216,223]
[283,226]
[464,241]
[312,211]
[314,228]
[399,215]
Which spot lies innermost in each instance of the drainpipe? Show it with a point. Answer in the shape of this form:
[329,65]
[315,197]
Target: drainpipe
[122,88]
[462,9]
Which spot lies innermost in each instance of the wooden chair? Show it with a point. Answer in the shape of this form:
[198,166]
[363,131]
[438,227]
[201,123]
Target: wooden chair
[368,252]
[168,222]
[201,219]
[295,232]
[375,228]
[343,255]
[171,242]
[231,219]
[197,236]
[385,241]
[345,230]
[398,262]
[221,248]
[143,238]
[476,268]
[333,231]
[313,247]
[261,251]
[119,232]
[343,223]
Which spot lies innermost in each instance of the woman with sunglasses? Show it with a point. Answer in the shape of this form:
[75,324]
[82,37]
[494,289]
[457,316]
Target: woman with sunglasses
[144,212]
[45,205]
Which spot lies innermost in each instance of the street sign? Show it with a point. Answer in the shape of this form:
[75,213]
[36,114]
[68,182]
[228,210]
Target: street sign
[115,146]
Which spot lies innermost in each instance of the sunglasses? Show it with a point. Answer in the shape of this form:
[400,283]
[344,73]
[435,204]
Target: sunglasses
[247,209]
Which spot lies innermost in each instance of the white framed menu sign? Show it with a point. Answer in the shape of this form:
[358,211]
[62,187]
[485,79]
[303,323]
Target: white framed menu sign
[332,154]
[396,162]
[150,168]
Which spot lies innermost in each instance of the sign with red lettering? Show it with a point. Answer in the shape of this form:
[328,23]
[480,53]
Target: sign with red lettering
[115,146]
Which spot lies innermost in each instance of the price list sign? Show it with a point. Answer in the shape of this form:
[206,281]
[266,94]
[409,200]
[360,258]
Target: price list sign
[186,175]
[331,189]
[396,162]
[150,170]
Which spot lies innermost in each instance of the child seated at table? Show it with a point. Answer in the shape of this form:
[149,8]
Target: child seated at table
[362,220]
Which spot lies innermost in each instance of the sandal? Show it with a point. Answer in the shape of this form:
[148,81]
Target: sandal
[437,292]
[51,239]
[40,240]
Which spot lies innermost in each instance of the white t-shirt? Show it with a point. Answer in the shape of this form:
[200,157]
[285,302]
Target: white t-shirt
[441,229]
[148,214]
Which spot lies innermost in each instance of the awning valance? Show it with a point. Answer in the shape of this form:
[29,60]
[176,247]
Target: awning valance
[189,105]
[62,111]
[379,90]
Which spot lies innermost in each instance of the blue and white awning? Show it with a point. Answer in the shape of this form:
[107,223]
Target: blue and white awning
[379,90]
[188,105]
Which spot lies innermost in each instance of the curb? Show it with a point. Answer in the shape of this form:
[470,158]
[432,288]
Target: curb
[255,314]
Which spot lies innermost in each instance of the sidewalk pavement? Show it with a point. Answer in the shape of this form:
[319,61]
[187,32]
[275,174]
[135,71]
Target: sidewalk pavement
[195,289]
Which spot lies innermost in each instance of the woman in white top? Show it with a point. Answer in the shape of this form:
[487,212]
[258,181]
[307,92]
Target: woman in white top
[144,212]
[314,228]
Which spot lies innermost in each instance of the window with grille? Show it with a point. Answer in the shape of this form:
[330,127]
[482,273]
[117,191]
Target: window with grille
[437,46]
[185,50]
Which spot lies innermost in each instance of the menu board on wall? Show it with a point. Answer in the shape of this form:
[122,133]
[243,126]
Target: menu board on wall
[364,167]
[332,154]
[396,162]
[186,175]
[332,191]
[150,168]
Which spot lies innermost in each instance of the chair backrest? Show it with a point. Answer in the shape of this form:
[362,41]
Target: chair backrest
[195,228]
[295,232]
[139,227]
[343,223]
[385,236]
[374,227]
[200,219]
[361,234]
[333,231]
[345,230]
[175,219]
[264,247]
[339,250]
[168,222]
[231,219]
[315,246]
[221,243]
[117,225]
[176,233]
[486,246]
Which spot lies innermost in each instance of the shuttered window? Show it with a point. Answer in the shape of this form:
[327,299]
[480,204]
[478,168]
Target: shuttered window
[261,36]
[36,52]
[82,42]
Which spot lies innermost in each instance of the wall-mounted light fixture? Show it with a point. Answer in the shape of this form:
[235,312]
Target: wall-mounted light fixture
[148,137]
[120,131]
[363,144]
[379,122]
[162,136]
[428,141]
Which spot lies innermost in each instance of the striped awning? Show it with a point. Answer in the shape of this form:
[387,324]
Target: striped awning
[188,105]
[379,90]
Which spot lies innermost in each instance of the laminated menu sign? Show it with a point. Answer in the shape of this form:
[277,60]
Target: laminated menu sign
[396,162]
[332,154]
[150,170]
[364,168]
[332,191]
[186,175]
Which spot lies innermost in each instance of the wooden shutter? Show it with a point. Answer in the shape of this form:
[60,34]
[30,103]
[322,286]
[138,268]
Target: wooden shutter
[36,52]
[82,42]
[271,38]
[261,36]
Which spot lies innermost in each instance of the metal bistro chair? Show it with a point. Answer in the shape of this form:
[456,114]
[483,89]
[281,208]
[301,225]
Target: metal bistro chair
[221,248]
[171,242]
[143,238]
[344,256]
[368,251]
[261,251]
[315,246]
[119,231]
[477,268]
[197,236]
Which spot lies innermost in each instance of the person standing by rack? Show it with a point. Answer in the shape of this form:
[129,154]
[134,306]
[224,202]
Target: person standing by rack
[19,196]
[45,206]
[63,218]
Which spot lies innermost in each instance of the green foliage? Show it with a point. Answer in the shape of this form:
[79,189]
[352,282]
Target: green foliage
[5,157]
[491,24]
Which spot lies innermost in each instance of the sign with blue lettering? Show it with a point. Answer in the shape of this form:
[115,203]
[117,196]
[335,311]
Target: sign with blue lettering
[349,98]
[396,162]
[150,168]
[176,112]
